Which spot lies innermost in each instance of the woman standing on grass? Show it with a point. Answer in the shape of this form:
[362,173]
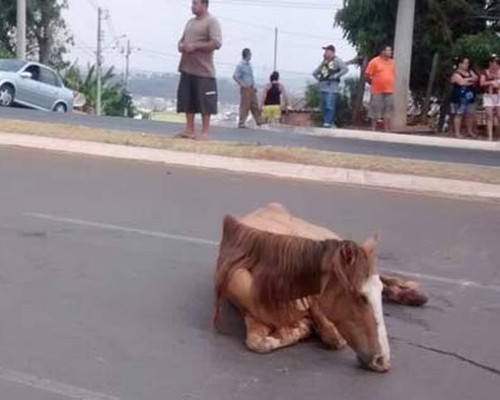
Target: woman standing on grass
[463,96]
[490,82]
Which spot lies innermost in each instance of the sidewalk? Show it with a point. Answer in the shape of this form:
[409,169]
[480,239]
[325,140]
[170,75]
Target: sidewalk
[268,168]
[401,138]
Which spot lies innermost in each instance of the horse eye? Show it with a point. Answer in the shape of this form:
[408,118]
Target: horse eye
[364,299]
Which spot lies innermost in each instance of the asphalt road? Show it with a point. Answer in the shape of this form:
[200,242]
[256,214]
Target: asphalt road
[106,286]
[353,146]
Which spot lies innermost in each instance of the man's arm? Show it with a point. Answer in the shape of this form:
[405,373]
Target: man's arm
[180,45]
[237,76]
[343,70]
[317,72]
[369,72]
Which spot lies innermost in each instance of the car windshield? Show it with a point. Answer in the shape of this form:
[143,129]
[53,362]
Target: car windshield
[11,65]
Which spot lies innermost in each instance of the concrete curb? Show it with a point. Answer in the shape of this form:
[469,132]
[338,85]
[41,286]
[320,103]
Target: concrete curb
[413,139]
[269,168]
[398,138]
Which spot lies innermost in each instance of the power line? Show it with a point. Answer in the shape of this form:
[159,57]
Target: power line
[168,56]
[286,32]
[276,4]
[93,4]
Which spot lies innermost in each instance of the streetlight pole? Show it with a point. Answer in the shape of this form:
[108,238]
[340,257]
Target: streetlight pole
[99,62]
[21,30]
[275,48]
[402,57]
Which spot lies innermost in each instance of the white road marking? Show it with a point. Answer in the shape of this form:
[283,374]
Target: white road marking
[91,224]
[450,281]
[195,240]
[51,386]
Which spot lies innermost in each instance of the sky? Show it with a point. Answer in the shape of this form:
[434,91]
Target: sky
[155,26]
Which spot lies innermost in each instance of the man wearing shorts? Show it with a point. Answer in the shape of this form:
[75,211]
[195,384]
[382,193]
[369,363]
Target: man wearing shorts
[380,74]
[197,92]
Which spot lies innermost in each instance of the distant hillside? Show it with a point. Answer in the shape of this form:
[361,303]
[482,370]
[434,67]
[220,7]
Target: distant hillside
[165,86]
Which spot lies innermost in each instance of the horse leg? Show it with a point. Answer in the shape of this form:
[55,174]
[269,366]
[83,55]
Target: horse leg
[404,292]
[292,334]
[327,330]
[261,339]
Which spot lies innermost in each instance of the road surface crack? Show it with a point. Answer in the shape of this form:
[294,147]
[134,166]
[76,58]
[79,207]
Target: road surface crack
[450,354]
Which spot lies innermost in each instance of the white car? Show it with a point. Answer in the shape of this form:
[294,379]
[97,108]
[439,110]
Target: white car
[33,85]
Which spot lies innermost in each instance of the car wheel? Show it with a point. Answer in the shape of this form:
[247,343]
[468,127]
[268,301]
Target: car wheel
[60,107]
[6,95]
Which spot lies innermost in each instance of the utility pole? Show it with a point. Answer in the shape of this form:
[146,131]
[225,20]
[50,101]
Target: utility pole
[99,61]
[275,48]
[402,56]
[21,30]
[128,52]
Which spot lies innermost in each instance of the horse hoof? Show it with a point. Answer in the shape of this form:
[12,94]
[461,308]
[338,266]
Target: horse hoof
[409,296]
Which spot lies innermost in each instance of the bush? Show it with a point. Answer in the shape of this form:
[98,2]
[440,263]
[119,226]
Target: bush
[345,102]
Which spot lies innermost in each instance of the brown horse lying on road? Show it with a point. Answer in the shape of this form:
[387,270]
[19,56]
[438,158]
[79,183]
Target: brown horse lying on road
[287,276]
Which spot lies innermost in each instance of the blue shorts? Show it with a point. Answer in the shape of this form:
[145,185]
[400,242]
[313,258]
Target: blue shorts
[461,109]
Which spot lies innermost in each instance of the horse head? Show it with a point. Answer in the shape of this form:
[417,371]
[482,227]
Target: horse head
[351,297]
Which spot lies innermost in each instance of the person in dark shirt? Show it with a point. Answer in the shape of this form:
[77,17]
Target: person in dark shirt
[463,96]
[272,97]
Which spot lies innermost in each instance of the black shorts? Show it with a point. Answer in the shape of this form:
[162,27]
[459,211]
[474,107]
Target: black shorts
[197,95]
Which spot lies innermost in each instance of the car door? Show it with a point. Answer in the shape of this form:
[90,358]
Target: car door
[49,88]
[28,89]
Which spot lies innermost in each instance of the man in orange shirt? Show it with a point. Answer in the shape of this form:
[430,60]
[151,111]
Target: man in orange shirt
[380,74]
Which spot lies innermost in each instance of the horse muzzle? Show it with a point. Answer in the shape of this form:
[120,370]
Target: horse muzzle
[377,363]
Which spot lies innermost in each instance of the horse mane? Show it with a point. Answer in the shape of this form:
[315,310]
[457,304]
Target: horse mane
[285,268]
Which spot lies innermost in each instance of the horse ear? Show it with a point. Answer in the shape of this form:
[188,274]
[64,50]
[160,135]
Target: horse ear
[370,245]
[348,253]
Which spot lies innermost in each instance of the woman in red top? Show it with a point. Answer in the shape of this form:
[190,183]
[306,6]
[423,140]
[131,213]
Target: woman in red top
[490,82]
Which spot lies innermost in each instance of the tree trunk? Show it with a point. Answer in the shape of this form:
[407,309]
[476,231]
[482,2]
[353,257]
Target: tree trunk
[430,87]
[360,94]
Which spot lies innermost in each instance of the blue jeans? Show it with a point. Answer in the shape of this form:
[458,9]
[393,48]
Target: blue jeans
[328,103]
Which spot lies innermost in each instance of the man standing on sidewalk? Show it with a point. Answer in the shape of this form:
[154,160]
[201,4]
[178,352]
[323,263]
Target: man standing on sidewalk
[243,75]
[380,74]
[328,74]
[197,92]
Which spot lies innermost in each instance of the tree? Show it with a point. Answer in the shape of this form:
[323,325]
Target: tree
[479,47]
[7,23]
[439,25]
[344,102]
[47,34]
[116,100]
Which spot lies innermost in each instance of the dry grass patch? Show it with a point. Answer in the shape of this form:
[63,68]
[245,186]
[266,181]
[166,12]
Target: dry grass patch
[260,152]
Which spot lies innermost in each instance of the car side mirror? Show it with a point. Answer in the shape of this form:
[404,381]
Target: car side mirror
[26,75]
